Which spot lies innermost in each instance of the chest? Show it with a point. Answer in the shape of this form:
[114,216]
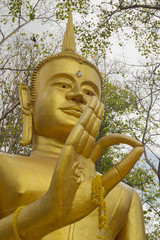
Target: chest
[22,184]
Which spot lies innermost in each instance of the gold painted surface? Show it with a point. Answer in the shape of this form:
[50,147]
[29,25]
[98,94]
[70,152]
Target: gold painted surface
[55,181]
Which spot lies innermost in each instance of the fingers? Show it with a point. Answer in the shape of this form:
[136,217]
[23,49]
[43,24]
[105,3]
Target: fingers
[85,131]
[82,143]
[93,112]
[75,136]
[111,140]
[93,124]
[118,172]
[88,147]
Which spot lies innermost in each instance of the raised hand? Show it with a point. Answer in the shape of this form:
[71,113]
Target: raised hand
[74,167]
[71,184]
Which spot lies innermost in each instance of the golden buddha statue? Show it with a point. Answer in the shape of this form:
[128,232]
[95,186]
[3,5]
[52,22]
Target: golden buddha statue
[62,112]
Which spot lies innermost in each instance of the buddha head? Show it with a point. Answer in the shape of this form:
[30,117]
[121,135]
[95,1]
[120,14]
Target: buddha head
[61,86]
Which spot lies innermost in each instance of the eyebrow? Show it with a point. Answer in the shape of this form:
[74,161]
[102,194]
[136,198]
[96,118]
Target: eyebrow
[61,75]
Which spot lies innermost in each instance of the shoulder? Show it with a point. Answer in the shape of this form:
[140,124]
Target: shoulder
[129,192]
[120,196]
[136,199]
[10,158]
[10,167]
[118,203]
[7,161]
[122,189]
[6,156]
[125,188]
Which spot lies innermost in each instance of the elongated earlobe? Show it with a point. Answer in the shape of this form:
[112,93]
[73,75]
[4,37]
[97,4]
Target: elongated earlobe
[25,100]
[27,130]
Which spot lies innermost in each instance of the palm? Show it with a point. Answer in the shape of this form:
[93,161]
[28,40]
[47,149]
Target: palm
[75,170]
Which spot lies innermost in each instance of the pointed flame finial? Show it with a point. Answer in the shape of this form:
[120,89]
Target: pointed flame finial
[69,43]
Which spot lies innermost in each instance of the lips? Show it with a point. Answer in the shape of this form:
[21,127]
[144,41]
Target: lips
[73,111]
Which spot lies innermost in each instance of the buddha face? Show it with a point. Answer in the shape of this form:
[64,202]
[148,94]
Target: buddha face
[64,87]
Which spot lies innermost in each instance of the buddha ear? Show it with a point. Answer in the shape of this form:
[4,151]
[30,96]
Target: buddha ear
[25,99]
[26,105]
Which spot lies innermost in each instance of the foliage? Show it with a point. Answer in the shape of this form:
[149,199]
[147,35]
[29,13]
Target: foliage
[118,103]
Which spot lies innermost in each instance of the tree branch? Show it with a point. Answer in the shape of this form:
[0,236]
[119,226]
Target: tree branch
[156,7]
[10,110]
[17,69]
[15,30]
[36,4]
[152,208]
[149,163]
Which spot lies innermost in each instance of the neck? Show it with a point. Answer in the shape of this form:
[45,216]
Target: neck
[43,146]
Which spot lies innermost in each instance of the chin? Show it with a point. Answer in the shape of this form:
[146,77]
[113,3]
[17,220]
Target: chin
[67,130]
[62,132]
[68,124]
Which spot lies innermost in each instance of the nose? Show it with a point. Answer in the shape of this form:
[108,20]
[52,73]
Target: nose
[75,94]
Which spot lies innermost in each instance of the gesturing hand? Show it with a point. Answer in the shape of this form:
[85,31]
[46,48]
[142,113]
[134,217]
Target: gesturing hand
[71,184]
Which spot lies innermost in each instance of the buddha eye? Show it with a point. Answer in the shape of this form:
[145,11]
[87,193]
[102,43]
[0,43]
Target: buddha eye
[88,90]
[65,85]
[89,93]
